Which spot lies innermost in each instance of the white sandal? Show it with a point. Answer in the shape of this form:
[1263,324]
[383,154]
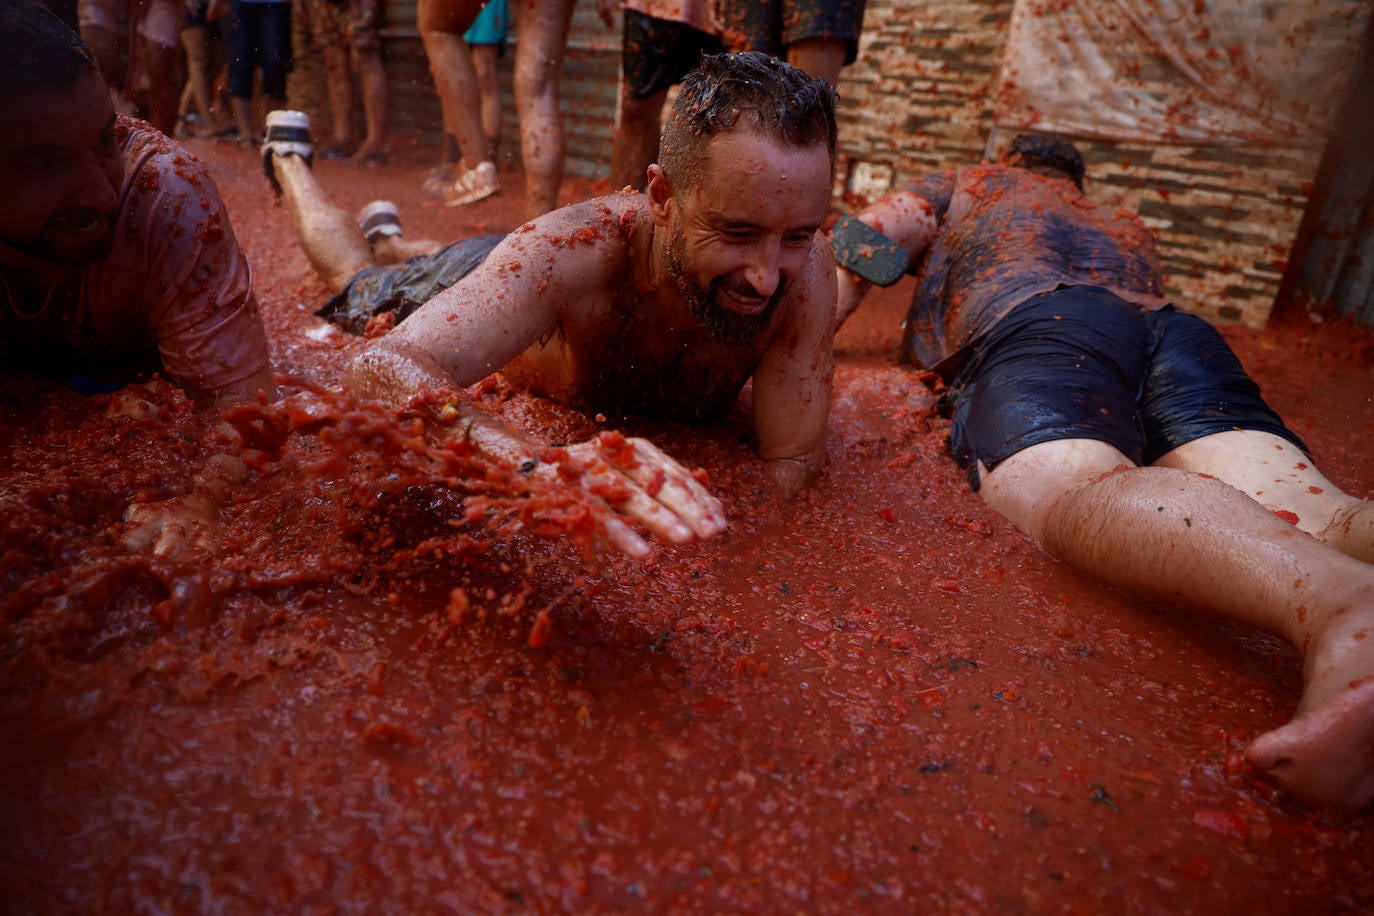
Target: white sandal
[378,220]
[287,134]
[477,183]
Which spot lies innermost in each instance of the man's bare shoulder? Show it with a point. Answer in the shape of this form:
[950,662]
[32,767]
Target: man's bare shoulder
[579,260]
[602,223]
[558,271]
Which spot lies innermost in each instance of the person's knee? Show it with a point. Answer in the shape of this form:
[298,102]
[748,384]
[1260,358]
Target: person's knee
[537,69]
[536,80]
[1351,529]
[195,42]
[485,63]
[334,56]
[1030,486]
[365,43]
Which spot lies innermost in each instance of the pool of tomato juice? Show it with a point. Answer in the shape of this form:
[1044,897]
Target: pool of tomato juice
[878,695]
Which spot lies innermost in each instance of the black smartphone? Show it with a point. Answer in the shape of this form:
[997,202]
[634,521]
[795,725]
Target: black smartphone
[866,251]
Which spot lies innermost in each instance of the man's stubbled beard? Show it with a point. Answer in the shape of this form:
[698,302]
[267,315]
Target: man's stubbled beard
[722,324]
[43,247]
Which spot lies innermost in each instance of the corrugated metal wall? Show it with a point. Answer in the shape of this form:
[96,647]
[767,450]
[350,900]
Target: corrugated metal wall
[591,69]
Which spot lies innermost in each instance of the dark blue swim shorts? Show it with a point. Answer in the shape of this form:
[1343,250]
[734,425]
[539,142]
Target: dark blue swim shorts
[1081,363]
[404,287]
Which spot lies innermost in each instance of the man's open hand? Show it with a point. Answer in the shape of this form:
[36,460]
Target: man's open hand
[186,524]
[171,527]
[636,480]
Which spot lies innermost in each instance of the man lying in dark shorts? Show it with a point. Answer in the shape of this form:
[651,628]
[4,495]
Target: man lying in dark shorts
[1125,437]
[393,291]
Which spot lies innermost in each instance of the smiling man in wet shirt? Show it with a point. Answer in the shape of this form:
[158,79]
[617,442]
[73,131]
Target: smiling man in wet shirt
[116,256]
[1125,436]
[116,259]
[663,303]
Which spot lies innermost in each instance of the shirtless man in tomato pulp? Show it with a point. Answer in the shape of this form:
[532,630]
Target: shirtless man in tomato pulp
[1125,437]
[664,303]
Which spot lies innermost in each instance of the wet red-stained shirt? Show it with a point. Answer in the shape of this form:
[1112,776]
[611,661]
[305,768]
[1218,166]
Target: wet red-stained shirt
[1006,234]
[174,293]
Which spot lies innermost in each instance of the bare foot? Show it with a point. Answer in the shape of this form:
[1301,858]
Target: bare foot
[1325,755]
[439,179]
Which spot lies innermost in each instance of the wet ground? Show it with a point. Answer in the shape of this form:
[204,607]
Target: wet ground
[880,695]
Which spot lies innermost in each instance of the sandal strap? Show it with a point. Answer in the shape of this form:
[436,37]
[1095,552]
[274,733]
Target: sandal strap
[378,220]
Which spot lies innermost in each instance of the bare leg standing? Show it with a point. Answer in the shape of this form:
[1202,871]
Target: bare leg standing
[339,88]
[375,101]
[484,62]
[636,139]
[542,37]
[442,24]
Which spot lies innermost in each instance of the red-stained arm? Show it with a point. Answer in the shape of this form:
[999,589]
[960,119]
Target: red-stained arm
[906,217]
[552,270]
[246,390]
[793,381]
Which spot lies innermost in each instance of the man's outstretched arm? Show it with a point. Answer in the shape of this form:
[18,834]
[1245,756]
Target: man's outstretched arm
[477,326]
[656,491]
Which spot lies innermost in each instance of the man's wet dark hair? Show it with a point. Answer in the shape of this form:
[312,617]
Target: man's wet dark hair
[1050,152]
[773,97]
[39,50]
